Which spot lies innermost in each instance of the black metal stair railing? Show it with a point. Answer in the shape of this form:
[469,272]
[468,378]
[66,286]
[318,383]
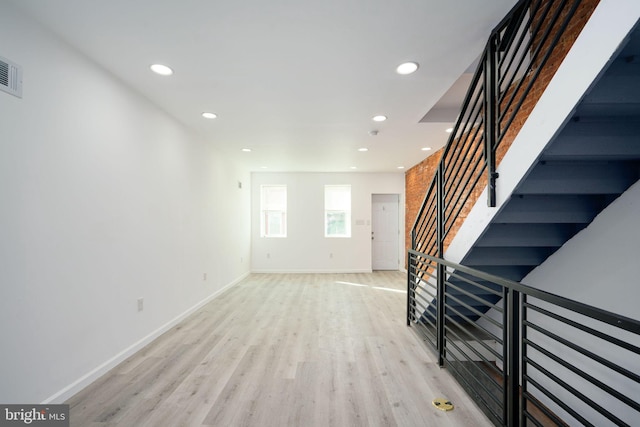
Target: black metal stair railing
[532,358]
[514,57]
[527,357]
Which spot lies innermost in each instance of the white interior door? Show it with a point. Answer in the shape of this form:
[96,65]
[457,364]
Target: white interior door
[385,234]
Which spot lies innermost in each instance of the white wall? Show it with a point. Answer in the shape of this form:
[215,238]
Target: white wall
[306,249]
[599,260]
[104,199]
[597,267]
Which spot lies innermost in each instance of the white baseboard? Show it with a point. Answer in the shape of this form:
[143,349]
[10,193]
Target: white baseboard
[73,388]
[309,271]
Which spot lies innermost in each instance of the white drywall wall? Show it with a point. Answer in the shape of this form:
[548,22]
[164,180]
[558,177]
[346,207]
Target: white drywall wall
[305,249]
[598,267]
[104,199]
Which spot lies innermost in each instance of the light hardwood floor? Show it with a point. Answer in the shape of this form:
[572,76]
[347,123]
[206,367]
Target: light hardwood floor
[284,350]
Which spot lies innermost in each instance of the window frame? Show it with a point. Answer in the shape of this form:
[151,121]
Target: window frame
[266,209]
[331,210]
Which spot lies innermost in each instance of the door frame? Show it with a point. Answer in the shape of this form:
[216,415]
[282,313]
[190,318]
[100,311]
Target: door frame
[397,199]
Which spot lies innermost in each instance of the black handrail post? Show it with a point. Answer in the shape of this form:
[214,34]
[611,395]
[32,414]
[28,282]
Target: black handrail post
[511,349]
[523,357]
[440,321]
[411,273]
[413,239]
[491,106]
[409,268]
[440,293]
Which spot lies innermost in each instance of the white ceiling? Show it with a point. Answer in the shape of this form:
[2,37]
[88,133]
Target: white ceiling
[296,81]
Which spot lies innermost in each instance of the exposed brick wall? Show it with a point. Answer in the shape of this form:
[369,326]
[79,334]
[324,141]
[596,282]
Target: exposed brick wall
[417,181]
[578,21]
[419,177]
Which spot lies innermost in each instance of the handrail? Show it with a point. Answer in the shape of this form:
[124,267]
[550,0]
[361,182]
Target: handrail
[516,53]
[622,322]
[534,348]
[528,357]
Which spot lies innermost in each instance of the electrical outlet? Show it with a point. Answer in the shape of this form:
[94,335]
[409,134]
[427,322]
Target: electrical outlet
[140,304]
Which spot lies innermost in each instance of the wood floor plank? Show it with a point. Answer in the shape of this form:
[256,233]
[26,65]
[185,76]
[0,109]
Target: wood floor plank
[284,350]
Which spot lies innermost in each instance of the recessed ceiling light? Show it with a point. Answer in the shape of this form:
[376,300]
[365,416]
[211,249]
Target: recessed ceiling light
[353,167]
[400,167]
[363,149]
[246,150]
[379,118]
[207,115]
[448,130]
[407,68]
[163,70]
[426,148]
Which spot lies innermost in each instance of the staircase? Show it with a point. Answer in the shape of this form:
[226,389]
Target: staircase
[591,161]
[530,357]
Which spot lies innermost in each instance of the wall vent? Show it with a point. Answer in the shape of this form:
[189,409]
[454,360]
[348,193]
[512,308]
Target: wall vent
[10,77]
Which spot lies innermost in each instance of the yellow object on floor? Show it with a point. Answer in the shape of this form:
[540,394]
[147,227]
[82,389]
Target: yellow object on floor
[442,404]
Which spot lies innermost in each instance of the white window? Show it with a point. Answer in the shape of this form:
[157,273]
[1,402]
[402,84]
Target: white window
[273,211]
[337,211]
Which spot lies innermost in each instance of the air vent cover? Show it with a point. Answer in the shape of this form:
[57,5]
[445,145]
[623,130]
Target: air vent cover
[10,77]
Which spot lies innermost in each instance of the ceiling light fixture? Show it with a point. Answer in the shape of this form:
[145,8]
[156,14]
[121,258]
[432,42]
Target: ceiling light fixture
[379,118]
[400,167]
[207,115]
[448,130]
[163,70]
[363,149]
[246,150]
[407,68]
[353,167]
[426,148]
